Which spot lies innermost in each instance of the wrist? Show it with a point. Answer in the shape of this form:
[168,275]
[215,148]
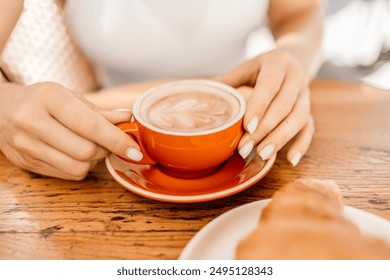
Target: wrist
[309,69]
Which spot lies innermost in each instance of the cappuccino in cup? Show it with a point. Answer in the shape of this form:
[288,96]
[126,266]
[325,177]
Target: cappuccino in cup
[189,111]
[189,127]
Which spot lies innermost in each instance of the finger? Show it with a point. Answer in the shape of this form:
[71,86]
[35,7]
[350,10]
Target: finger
[47,170]
[93,164]
[80,97]
[39,157]
[114,116]
[244,74]
[70,168]
[117,115]
[66,141]
[268,84]
[280,107]
[258,130]
[246,145]
[245,91]
[286,130]
[301,143]
[86,122]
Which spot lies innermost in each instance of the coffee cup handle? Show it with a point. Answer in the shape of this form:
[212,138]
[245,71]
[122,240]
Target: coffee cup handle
[132,130]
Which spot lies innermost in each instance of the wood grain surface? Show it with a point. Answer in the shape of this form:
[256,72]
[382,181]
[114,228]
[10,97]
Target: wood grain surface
[46,218]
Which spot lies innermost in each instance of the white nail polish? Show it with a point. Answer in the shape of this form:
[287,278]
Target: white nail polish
[134,154]
[267,151]
[252,125]
[126,110]
[295,159]
[246,149]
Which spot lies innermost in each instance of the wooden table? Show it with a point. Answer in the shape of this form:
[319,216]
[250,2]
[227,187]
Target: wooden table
[45,218]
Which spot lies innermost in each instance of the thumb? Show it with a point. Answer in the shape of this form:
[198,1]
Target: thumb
[117,115]
[238,76]
[113,116]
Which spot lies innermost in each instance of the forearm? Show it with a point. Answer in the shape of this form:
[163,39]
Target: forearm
[299,31]
[10,11]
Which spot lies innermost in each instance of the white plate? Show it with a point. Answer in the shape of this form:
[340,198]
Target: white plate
[218,239]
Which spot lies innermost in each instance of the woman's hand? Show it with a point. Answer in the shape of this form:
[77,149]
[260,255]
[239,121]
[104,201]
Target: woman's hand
[47,129]
[279,107]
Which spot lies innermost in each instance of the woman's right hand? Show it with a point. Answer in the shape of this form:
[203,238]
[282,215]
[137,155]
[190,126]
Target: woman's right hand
[47,129]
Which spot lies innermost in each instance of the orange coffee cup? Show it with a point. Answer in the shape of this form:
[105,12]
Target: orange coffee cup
[188,127]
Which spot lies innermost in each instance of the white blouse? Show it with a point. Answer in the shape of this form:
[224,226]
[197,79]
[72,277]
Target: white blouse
[135,40]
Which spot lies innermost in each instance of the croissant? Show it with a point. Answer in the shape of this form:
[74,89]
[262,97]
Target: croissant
[304,220]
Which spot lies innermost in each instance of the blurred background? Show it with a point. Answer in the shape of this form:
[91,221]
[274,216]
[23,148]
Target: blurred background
[356,46]
[356,43]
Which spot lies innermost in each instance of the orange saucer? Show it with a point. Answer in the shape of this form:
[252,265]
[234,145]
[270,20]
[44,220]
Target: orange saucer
[150,181]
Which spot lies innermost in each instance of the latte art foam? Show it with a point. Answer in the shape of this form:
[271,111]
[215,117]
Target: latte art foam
[190,111]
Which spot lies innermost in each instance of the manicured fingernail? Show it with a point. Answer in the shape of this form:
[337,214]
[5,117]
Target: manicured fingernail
[134,154]
[122,110]
[295,159]
[267,151]
[246,149]
[252,125]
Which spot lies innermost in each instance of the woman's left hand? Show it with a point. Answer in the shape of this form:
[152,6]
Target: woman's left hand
[279,107]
